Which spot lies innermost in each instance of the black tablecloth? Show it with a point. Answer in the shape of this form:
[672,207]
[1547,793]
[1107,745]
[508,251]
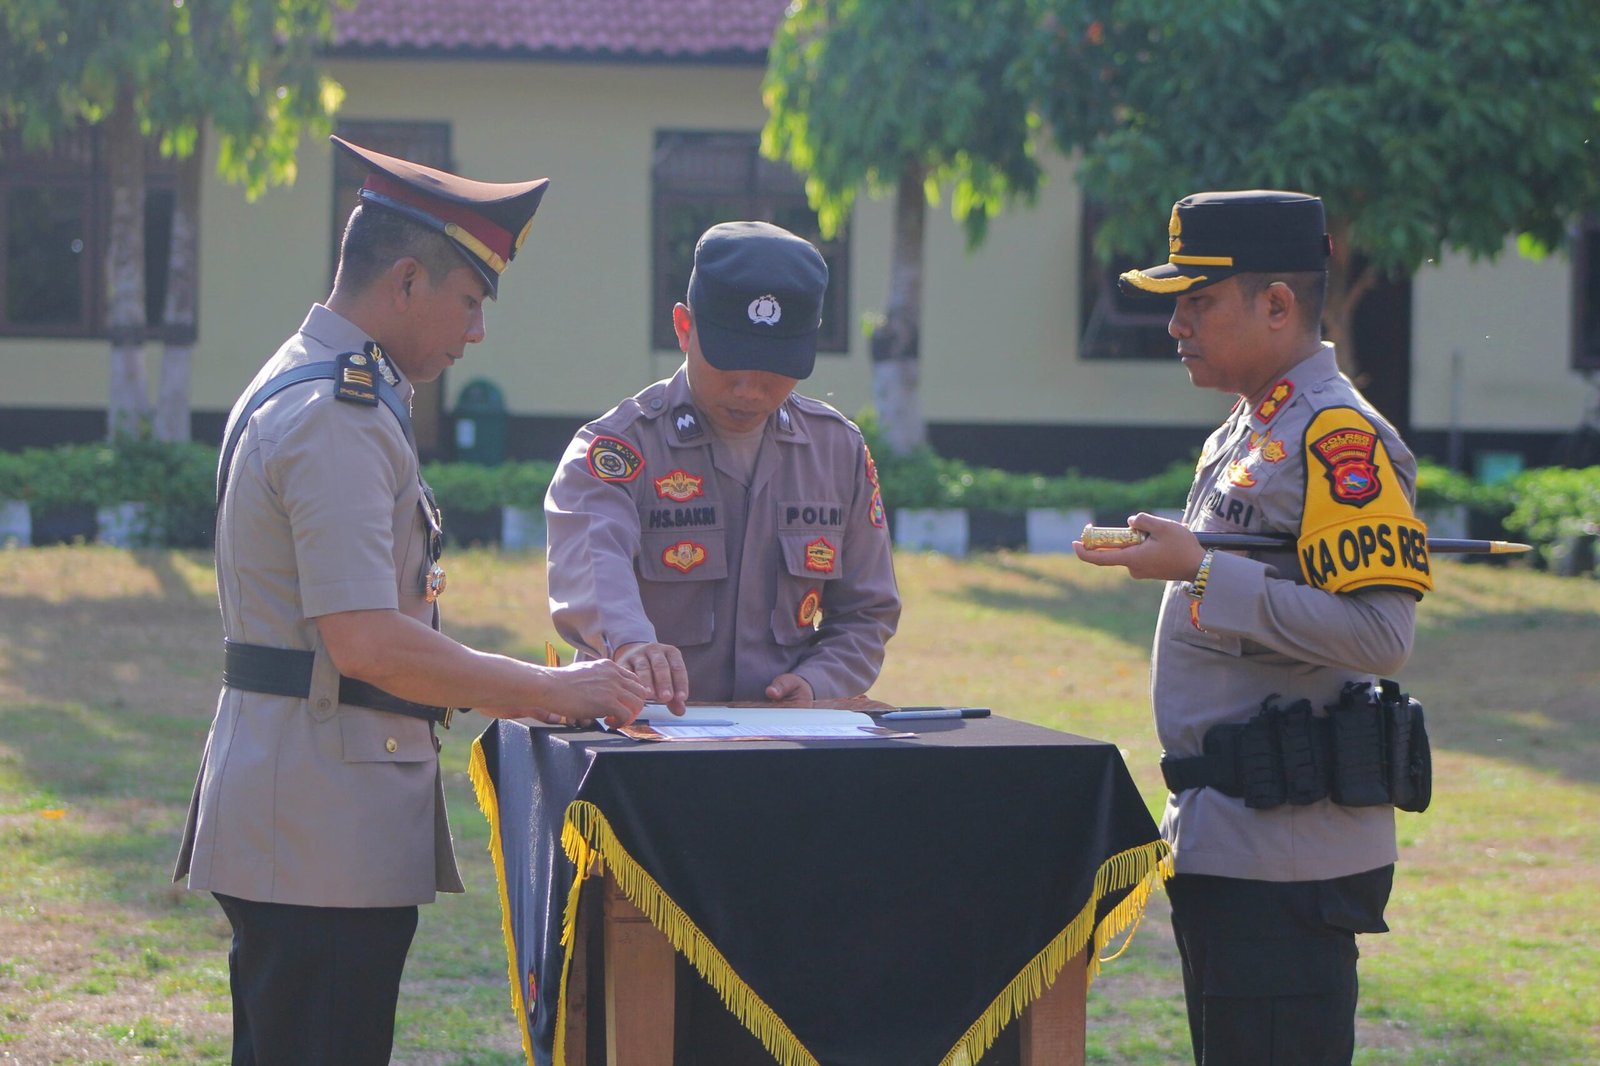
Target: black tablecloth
[874,901]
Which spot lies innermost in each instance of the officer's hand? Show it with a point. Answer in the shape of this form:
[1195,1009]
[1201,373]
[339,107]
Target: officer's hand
[1170,552]
[582,692]
[660,667]
[790,688]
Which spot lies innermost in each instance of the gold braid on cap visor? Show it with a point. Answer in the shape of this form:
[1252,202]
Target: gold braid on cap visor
[1140,280]
[490,258]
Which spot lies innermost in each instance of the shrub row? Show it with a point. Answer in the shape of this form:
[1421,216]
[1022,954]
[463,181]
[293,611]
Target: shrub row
[1549,506]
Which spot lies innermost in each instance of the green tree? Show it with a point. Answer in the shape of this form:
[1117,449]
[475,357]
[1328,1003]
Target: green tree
[162,74]
[1426,126]
[903,97]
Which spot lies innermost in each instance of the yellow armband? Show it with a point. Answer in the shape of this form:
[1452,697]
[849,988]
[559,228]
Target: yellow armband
[1358,530]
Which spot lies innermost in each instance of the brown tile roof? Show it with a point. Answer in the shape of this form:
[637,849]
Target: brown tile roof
[681,30]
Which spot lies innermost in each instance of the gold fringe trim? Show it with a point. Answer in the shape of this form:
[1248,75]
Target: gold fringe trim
[1143,868]
[489,804]
[585,835]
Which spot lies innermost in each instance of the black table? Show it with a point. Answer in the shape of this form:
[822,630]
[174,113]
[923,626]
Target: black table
[854,902]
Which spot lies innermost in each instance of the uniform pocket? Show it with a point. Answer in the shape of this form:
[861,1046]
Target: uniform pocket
[810,560]
[677,581]
[378,736]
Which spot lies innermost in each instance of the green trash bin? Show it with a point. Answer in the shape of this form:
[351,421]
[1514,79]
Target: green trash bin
[480,418]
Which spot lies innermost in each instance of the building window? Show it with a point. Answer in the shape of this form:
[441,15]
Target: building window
[1586,295]
[55,229]
[1114,325]
[700,179]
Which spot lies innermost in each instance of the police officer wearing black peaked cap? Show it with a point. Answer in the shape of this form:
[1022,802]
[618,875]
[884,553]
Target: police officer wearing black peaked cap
[318,817]
[1277,869]
[719,533]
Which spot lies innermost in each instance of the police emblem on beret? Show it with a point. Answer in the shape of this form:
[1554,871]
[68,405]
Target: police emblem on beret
[611,459]
[765,310]
[820,555]
[684,556]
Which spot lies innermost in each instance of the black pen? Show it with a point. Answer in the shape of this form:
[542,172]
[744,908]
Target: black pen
[910,713]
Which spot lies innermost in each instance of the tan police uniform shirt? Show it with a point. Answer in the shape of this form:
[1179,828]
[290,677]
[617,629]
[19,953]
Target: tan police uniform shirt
[1267,632]
[653,536]
[308,801]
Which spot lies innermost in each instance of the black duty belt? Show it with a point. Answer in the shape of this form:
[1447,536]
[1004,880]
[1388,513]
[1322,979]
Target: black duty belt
[287,672]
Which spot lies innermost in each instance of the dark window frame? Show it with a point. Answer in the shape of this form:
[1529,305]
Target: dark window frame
[1113,327]
[701,177]
[1584,355]
[77,162]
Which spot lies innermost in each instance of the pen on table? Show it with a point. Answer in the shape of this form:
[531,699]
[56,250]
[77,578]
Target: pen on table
[905,714]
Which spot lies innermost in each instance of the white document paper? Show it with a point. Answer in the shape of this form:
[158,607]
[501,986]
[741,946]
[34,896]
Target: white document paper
[751,723]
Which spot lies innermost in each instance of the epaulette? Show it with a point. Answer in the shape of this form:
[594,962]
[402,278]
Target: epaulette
[354,381]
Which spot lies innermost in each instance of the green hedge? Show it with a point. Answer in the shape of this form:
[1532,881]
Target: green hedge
[1551,507]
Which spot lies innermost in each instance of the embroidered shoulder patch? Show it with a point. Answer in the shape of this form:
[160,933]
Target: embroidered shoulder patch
[1358,529]
[611,459]
[875,511]
[684,556]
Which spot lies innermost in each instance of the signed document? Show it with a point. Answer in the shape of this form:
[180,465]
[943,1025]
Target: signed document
[720,722]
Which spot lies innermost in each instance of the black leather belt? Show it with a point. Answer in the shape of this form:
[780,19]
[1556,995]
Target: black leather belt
[287,672]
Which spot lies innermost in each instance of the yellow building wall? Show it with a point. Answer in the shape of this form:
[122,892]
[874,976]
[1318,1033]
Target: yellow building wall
[570,334]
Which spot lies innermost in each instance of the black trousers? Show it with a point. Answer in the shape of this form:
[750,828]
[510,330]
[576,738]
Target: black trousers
[1269,967]
[315,986]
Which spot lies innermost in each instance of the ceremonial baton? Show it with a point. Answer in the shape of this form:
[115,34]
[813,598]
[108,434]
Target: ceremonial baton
[1097,537]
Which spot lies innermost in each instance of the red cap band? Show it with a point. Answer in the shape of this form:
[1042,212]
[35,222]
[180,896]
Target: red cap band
[496,239]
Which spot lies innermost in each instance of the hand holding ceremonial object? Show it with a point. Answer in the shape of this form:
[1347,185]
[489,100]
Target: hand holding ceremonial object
[1102,537]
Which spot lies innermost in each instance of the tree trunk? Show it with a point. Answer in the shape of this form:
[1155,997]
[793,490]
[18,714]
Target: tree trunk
[1348,282]
[896,349]
[128,405]
[177,317]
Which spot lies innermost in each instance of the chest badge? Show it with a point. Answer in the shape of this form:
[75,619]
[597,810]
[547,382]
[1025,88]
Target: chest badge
[810,613]
[433,583]
[1239,473]
[684,556]
[820,556]
[680,485]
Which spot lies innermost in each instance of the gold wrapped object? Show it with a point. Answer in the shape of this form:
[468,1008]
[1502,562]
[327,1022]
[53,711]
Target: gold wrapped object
[1097,537]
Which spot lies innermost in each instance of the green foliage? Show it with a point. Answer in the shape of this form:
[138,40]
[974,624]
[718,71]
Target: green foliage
[862,92]
[463,486]
[1425,125]
[524,484]
[247,68]
[1554,507]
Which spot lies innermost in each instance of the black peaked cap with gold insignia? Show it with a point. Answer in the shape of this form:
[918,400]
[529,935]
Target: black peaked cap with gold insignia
[487,221]
[1215,235]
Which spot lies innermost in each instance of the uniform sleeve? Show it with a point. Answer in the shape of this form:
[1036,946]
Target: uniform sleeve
[593,534]
[861,609]
[1370,631]
[336,470]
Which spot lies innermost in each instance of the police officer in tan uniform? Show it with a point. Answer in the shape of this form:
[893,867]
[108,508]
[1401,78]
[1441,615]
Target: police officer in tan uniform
[1272,886]
[318,819]
[717,533]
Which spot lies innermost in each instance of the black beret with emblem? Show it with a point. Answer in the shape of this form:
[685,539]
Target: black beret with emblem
[756,295]
[486,221]
[1215,235]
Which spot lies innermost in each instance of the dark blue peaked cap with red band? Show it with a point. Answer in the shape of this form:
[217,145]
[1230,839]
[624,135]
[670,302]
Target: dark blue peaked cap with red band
[486,221]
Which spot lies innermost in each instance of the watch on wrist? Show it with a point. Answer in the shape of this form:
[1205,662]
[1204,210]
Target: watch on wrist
[1197,587]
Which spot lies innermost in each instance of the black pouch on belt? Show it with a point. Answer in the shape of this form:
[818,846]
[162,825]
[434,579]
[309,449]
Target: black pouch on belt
[1410,756]
[1360,738]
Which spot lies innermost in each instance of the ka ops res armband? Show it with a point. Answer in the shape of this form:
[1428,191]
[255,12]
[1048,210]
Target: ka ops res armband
[1369,750]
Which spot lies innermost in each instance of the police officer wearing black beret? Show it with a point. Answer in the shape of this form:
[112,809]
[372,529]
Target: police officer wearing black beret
[1278,866]
[318,818]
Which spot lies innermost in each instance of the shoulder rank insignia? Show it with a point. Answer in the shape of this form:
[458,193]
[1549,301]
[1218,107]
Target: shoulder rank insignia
[611,459]
[1358,529]
[785,423]
[355,383]
[680,485]
[684,556]
[1275,399]
[686,422]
